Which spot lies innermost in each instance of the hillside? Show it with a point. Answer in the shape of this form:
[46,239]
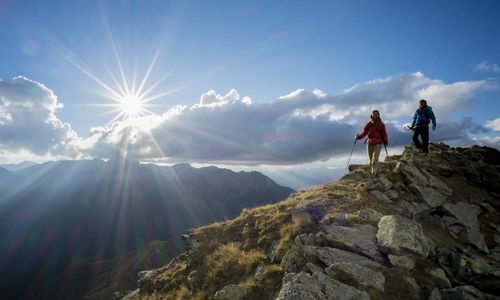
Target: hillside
[425,228]
[55,214]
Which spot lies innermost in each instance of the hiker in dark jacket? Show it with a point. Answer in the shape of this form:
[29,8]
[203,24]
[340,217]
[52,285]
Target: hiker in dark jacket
[420,126]
[375,129]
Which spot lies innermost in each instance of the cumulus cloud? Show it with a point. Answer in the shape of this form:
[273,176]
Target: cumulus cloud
[302,126]
[490,141]
[28,121]
[493,124]
[486,66]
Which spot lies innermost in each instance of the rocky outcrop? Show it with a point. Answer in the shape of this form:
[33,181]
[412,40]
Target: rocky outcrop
[399,236]
[427,227]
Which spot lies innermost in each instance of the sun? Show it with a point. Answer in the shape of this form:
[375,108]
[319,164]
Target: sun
[131,106]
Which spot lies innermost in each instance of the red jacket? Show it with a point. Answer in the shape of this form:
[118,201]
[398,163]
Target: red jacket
[376,132]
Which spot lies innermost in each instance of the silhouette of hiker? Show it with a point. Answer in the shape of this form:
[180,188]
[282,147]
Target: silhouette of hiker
[420,126]
[375,129]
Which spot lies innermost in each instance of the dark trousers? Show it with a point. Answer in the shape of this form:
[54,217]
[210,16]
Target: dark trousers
[424,132]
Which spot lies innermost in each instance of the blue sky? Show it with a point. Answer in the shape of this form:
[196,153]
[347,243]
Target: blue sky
[262,49]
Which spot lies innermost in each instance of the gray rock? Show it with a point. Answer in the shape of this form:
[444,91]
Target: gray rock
[428,187]
[259,272]
[399,235]
[359,274]
[404,261]
[145,277]
[495,254]
[435,295]
[466,214]
[335,289]
[455,229]
[193,280]
[231,292]
[487,207]
[472,265]
[432,197]
[496,238]
[392,194]
[495,226]
[360,239]
[313,268]
[294,259]
[333,255]
[271,253]
[412,283]
[414,208]
[300,286]
[439,278]
[386,183]
[465,292]
[370,216]
[381,196]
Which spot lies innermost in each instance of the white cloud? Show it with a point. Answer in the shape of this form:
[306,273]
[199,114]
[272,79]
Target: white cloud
[490,141]
[211,97]
[486,66]
[493,124]
[28,120]
[303,126]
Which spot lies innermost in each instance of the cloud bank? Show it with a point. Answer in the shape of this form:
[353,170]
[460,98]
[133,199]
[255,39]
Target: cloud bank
[302,126]
[28,120]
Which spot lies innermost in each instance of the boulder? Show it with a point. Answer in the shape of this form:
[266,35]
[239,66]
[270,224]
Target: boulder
[399,235]
[413,208]
[381,196]
[334,289]
[370,216]
[231,292]
[429,195]
[466,214]
[435,295]
[439,277]
[300,286]
[360,239]
[353,272]
[330,256]
[465,292]
[403,261]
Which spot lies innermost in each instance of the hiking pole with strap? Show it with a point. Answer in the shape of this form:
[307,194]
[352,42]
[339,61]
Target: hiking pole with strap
[349,160]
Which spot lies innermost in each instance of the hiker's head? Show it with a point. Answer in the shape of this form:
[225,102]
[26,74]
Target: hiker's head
[422,103]
[375,115]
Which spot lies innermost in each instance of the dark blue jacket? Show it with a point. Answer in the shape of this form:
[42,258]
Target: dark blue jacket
[423,117]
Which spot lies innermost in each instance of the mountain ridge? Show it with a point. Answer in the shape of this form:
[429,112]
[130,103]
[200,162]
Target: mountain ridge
[427,227]
[60,212]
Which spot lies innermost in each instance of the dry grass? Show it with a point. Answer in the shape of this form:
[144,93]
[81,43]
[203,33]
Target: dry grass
[228,264]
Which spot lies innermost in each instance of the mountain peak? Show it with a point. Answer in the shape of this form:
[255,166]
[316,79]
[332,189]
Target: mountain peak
[423,227]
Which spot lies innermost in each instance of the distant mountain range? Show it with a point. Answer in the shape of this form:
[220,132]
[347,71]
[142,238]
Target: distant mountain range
[55,214]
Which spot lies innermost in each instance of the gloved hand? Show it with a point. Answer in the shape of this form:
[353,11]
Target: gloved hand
[385,143]
[433,127]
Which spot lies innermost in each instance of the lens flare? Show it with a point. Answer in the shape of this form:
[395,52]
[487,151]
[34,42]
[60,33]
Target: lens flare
[132,106]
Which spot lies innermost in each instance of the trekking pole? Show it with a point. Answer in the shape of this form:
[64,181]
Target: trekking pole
[349,160]
[386,153]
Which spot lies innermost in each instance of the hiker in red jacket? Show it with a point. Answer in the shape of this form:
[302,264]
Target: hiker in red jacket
[375,129]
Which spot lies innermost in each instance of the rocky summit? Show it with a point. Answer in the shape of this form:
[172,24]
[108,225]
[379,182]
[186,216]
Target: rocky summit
[424,227]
